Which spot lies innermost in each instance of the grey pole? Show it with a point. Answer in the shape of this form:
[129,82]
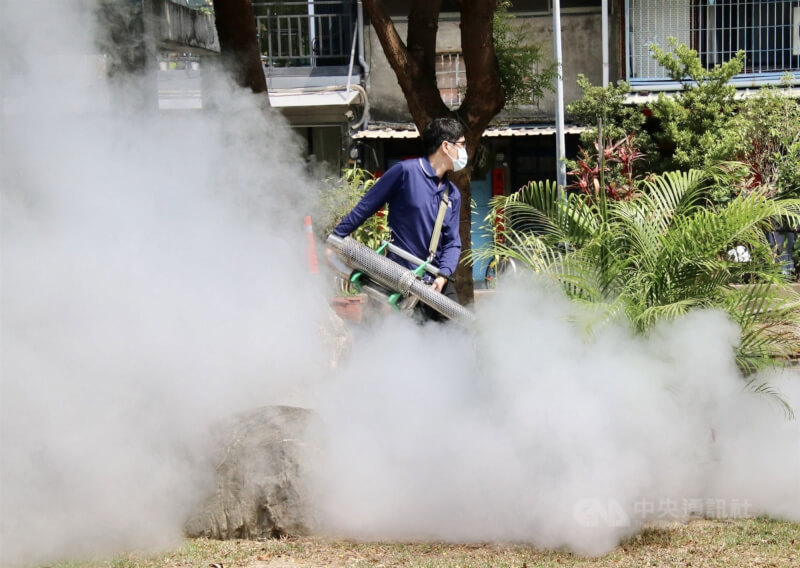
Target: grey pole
[561,166]
[312,32]
[604,39]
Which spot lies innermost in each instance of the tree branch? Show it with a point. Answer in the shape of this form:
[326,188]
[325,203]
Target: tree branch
[423,25]
[239,50]
[415,70]
[485,96]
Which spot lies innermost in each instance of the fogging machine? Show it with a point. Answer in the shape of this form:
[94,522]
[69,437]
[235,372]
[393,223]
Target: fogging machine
[382,278]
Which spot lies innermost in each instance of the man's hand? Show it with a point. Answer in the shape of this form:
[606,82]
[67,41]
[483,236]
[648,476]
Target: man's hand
[439,283]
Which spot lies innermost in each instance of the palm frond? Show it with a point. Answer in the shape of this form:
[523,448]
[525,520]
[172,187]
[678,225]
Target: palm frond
[543,208]
[763,388]
[672,194]
[661,255]
[653,314]
[768,315]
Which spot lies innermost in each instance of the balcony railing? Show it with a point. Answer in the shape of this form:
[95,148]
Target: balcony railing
[767,30]
[305,34]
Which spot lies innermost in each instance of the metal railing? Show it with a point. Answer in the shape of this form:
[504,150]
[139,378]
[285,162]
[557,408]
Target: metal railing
[305,34]
[767,30]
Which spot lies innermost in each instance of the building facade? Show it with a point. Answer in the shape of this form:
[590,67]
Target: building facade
[327,72]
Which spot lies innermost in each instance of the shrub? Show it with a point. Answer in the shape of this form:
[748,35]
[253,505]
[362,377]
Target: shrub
[340,196]
[770,142]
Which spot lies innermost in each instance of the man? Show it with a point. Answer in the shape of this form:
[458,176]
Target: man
[414,190]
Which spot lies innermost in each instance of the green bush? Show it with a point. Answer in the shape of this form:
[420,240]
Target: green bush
[344,193]
[693,128]
[608,104]
[705,125]
[698,126]
[770,142]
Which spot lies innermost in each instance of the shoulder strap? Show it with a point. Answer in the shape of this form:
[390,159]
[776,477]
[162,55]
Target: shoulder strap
[437,227]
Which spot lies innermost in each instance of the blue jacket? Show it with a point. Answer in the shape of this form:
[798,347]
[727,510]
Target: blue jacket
[413,193]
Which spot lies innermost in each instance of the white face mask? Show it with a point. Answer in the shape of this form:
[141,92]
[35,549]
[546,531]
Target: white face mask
[461,160]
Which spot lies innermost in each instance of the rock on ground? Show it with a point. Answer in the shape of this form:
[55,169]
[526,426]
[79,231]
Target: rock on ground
[261,477]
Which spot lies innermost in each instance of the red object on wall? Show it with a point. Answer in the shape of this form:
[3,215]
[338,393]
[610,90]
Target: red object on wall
[498,181]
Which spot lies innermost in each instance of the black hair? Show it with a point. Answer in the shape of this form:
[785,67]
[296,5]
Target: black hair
[439,130]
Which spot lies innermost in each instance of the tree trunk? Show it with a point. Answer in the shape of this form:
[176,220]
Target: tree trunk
[414,66]
[129,37]
[465,284]
[238,42]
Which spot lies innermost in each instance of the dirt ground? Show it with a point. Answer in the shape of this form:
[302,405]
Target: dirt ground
[699,543]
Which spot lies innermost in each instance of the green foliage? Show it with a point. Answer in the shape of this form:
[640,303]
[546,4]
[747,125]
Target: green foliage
[523,75]
[698,126]
[756,140]
[770,142]
[787,179]
[684,65]
[620,122]
[660,255]
[608,104]
[693,128]
[342,195]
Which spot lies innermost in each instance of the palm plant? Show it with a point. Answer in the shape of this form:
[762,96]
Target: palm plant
[659,255]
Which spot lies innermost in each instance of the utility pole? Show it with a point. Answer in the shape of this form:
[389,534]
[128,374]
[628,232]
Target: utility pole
[561,166]
[604,40]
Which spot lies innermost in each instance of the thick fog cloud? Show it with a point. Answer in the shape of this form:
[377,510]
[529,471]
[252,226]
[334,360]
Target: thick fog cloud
[153,281]
[533,431]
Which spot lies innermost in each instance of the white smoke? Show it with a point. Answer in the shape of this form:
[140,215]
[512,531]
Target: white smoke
[153,281]
[530,430]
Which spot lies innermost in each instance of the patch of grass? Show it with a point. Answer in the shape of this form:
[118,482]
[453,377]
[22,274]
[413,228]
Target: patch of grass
[728,543]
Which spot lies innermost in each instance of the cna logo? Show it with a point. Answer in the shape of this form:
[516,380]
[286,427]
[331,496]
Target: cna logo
[596,513]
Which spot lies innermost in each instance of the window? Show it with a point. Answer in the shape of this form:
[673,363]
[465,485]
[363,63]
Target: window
[654,21]
[451,77]
[767,30]
[764,30]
